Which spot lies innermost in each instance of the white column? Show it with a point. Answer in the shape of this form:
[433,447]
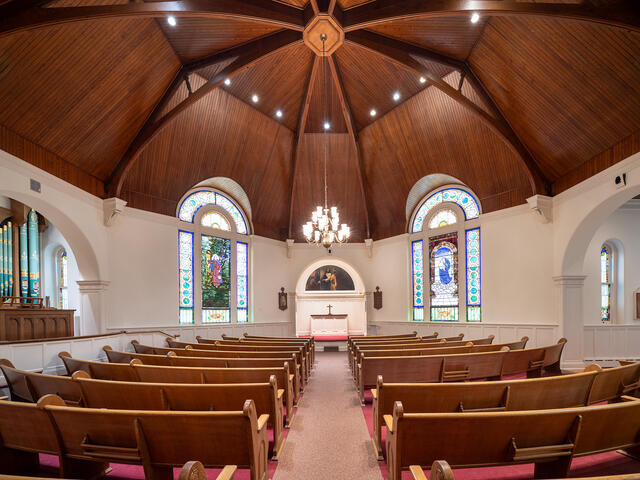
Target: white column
[569,290]
[93,307]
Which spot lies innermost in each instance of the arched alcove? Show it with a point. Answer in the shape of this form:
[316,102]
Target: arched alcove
[349,302]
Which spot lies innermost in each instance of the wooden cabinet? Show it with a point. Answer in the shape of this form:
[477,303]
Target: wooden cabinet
[28,324]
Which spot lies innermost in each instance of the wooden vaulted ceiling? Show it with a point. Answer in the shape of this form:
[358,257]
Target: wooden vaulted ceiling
[532,98]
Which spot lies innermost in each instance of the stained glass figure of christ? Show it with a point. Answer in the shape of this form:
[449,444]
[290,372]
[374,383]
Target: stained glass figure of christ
[443,255]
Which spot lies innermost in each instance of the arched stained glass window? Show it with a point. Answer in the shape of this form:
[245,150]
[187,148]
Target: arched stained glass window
[442,219]
[605,283]
[462,198]
[196,200]
[444,230]
[215,220]
[213,260]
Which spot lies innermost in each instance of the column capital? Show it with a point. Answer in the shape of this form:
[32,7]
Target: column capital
[570,280]
[92,286]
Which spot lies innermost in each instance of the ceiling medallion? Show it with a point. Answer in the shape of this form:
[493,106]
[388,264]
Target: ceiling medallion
[323,23]
[324,228]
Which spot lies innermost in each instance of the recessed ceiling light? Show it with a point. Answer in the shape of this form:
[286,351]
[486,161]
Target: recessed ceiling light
[475,16]
[171,21]
[227,81]
[327,125]
[396,96]
[423,80]
[279,113]
[373,112]
[254,98]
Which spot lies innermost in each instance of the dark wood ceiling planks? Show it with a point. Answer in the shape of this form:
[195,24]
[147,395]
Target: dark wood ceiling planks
[218,136]
[83,90]
[569,89]
[343,183]
[75,95]
[396,157]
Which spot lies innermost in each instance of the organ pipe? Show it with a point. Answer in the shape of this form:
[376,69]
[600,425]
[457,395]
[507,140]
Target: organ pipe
[34,255]
[24,262]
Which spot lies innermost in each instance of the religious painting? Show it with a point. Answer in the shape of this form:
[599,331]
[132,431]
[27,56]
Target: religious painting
[216,272]
[443,254]
[329,278]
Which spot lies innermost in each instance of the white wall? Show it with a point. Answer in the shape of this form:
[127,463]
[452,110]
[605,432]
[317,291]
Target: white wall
[51,242]
[622,227]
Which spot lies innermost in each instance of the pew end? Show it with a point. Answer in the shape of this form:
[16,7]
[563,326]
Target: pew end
[5,362]
[194,470]
[80,374]
[106,348]
[440,470]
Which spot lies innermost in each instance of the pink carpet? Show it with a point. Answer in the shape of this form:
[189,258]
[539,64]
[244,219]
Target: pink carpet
[136,472]
[610,463]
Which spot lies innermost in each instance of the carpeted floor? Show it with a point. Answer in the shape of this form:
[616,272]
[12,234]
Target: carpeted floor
[329,438]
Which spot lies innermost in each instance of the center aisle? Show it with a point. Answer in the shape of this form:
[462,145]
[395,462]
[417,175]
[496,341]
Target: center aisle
[329,437]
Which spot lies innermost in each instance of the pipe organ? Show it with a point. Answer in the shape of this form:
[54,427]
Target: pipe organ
[22,314]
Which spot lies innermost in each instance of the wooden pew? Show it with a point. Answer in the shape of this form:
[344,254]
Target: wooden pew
[531,394]
[440,343]
[26,430]
[268,399]
[212,351]
[350,338]
[306,343]
[611,383]
[205,343]
[192,470]
[171,359]
[161,440]
[534,361]
[440,470]
[30,386]
[438,349]
[431,368]
[548,438]
[104,370]
[158,374]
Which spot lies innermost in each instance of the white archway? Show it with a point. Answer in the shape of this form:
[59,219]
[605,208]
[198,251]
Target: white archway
[578,214]
[350,302]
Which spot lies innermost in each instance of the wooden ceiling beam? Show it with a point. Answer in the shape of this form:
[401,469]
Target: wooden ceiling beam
[353,134]
[623,13]
[407,55]
[263,11]
[242,57]
[302,124]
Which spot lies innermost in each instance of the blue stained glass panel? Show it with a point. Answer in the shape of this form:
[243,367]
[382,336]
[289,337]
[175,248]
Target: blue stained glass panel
[417,266]
[461,197]
[443,255]
[242,275]
[474,287]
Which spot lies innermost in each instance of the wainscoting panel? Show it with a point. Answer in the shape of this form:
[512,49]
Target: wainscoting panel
[604,343]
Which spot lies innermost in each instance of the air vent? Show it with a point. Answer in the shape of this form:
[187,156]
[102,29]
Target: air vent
[35,185]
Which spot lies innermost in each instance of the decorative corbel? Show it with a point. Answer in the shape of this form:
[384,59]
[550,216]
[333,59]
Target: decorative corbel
[542,207]
[368,243]
[290,242]
[111,208]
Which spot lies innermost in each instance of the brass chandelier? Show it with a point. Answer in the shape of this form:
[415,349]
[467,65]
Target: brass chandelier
[324,228]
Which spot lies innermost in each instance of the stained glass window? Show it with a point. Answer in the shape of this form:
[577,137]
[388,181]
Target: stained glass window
[216,279]
[461,197]
[195,201]
[185,273]
[215,220]
[605,280]
[417,267]
[443,218]
[443,255]
[472,250]
[241,278]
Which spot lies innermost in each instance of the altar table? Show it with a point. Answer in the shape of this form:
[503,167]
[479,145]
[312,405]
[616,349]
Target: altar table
[334,324]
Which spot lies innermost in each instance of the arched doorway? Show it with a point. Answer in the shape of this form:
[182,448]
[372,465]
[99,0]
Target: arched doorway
[330,281]
[577,217]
